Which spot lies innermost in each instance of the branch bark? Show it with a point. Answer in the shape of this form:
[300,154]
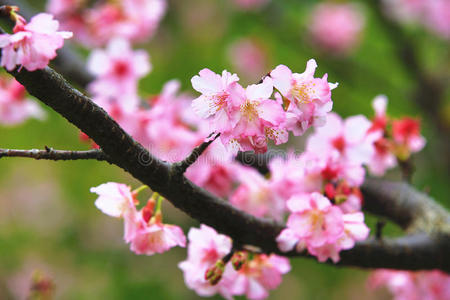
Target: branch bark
[51,154]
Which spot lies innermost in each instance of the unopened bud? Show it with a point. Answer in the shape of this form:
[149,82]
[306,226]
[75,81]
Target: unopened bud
[238,260]
[147,210]
[214,273]
[330,191]
[340,198]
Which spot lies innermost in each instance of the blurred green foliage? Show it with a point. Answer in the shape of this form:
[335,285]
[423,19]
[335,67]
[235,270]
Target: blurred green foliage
[47,217]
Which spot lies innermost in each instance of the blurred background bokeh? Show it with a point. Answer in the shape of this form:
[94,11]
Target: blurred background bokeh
[48,221]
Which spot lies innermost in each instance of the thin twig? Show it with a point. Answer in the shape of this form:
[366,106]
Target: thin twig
[180,167]
[51,154]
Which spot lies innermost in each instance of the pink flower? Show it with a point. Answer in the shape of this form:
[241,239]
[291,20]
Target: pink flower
[258,118]
[32,45]
[314,222]
[259,275]
[406,132]
[205,248]
[216,170]
[336,28]
[157,237]
[354,230]
[256,196]
[383,157]
[118,70]
[349,137]
[215,102]
[61,7]
[433,14]
[15,108]
[248,58]
[115,199]
[133,20]
[437,17]
[407,285]
[147,234]
[308,99]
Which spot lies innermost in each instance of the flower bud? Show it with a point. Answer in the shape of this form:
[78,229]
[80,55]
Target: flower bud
[239,259]
[214,273]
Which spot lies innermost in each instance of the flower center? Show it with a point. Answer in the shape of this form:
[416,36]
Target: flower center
[339,143]
[248,110]
[301,93]
[121,68]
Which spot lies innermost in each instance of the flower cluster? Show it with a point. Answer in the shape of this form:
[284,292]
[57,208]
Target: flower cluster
[336,28]
[252,276]
[396,139]
[318,191]
[134,20]
[430,285]
[433,14]
[15,108]
[32,45]
[144,229]
[248,117]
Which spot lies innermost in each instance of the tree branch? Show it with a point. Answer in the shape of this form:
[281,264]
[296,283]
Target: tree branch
[180,168]
[243,228]
[51,154]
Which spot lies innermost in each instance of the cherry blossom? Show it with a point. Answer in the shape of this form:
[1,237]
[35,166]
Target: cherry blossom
[354,230]
[336,28]
[383,157]
[349,137]
[133,20]
[307,98]
[215,103]
[408,285]
[313,223]
[248,57]
[15,108]
[216,170]
[258,118]
[114,198]
[406,133]
[259,275]
[205,248]
[154,236]
[118,68]
[256,196]
[32,45]
[433,14]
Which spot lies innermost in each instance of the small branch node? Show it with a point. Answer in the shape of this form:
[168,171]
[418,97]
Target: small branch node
[180,168]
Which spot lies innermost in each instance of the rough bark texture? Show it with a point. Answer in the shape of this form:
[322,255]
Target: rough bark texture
[51,154]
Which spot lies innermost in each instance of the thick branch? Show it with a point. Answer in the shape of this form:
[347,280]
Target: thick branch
[409,208]
[51,154]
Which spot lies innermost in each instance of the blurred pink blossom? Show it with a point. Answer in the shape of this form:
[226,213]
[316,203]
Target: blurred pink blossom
[249,58]
[15,108]
[33,44]
[408,285]
[336,28]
